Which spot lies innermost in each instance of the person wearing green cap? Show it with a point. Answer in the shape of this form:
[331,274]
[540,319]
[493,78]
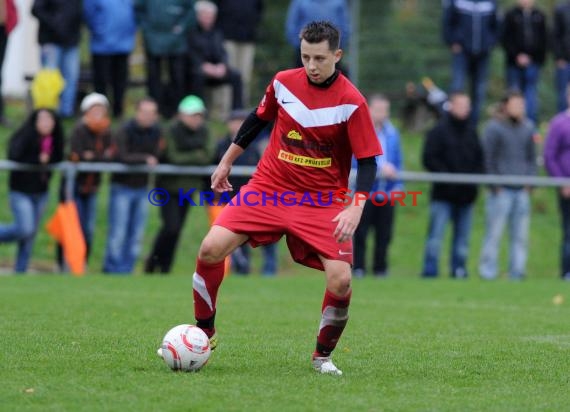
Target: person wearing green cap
[188,143]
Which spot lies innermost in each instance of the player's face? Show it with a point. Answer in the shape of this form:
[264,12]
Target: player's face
[319,60]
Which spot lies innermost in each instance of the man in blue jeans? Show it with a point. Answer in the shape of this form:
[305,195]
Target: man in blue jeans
[508,146]
[471,30]
[452,146]
[138,141]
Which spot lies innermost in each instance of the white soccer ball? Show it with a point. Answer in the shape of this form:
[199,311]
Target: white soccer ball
[185,348]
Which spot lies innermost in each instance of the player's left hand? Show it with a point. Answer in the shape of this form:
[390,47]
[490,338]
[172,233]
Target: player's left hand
[348,221]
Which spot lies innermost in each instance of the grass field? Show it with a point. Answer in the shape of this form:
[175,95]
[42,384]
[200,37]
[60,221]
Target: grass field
[411,345]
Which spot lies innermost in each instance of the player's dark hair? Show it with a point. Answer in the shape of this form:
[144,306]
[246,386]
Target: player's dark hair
[318,31]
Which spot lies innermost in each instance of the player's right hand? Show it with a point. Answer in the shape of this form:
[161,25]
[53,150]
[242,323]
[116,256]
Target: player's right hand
[220,182]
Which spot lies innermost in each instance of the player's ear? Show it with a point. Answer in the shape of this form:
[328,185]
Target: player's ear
[337,55]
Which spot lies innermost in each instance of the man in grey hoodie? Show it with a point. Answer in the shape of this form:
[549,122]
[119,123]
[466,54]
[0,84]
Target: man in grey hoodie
[508,146]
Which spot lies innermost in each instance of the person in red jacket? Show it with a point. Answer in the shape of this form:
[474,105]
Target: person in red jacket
[320,121]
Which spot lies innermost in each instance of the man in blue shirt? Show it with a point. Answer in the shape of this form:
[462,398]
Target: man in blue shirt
[381,218]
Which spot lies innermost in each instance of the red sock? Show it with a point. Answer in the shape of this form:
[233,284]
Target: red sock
[333,321]
[206,281]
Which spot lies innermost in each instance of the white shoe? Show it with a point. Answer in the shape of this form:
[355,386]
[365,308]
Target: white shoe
[325,365]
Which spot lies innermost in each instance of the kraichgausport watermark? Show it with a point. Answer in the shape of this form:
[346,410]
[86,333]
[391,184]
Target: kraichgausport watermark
[160,197]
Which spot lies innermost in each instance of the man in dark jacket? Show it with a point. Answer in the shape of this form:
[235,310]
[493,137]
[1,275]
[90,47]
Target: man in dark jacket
[58,35]
[138,141]
[239,21]
[208,57]
[451,147]
[561,48]
[165,25]
[470,29]
[525,42]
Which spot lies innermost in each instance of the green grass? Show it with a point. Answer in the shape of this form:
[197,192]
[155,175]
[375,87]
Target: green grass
[411,345]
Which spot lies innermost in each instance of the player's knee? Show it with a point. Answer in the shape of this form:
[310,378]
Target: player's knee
[340,283]
[211,251]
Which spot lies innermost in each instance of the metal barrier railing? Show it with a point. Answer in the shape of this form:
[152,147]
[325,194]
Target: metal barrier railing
[70,170]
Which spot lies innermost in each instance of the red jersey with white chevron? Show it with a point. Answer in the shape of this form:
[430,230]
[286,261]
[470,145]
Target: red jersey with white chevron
[316,132]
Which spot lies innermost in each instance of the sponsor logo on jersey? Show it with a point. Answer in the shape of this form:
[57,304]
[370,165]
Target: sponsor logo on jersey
[304,161]
[295,135]
[306,145]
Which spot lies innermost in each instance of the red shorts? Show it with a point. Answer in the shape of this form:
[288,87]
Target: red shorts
[308,229]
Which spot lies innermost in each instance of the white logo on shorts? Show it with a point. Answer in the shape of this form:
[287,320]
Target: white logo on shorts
[340,252]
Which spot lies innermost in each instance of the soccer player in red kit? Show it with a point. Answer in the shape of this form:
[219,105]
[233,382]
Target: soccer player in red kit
[321,120]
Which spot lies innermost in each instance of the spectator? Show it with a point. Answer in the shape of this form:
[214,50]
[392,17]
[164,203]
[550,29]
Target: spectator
[165,25]
[241,257]
[557,161]
[188,143]
[58,35]
[508,147]
[239,21]
[38,141]
[113,28]
[138,142]
[209,60]
[561,48]
[525,42]
[8,20]
[381,218]
[90,142]
[301,12]
[452,146]
[471,30]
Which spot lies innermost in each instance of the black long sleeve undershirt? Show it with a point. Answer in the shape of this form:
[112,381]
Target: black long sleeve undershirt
[366,174]
[249,130]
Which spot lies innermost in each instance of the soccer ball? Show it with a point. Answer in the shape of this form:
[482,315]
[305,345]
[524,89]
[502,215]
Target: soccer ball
[185,348]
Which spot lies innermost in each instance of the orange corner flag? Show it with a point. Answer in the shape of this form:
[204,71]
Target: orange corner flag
[65,228]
